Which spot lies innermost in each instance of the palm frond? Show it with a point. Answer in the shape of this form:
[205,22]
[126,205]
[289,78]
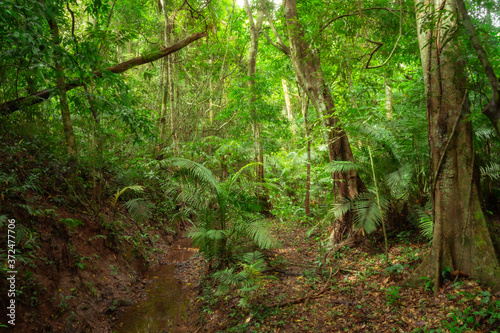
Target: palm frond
[200,174]
[252,257]
[237,174]
[257,231]
[399,181]
[199,237]
[366,212]
[255,261]
[139,209]
[340,209]
[216,234]
[425,220]
[117,195]
[341,166]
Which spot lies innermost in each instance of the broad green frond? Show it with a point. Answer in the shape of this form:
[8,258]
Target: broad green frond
[340,209]
[341,166]
[196,171]
[117,195]
[199,237]
[139,209]
[251,257]
[491,171]
[366,212]
[193,198]
[426,226]
[216,234]
[237,174]
[425,220]
[259,233]
[399,181]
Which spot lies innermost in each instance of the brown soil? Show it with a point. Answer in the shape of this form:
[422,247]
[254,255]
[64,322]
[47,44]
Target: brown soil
[75,279]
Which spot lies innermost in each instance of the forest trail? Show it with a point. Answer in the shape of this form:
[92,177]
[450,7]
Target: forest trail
[164,302]
[360,295]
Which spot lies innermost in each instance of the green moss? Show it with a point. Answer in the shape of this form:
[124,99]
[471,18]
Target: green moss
[479,241]
[478,215]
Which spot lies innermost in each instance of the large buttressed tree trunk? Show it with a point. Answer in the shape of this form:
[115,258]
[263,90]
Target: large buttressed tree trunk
[461,240]
[307,68]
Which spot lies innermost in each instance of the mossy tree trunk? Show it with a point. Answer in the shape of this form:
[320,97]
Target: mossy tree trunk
[461,240]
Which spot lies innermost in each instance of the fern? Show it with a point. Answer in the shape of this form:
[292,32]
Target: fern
[399,181]
[246,281]
[491,171]
[259,233]
[139,209]
[367,215]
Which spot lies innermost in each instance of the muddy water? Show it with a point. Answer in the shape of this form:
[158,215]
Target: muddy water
[165,306]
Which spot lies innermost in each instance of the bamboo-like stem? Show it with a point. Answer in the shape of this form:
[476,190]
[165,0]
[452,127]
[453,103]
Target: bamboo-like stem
[380,210]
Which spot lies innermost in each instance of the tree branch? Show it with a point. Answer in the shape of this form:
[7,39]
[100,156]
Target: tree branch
[347,15]
[380,44]
[286,50]
[280,45]
[40,96]
[492,109]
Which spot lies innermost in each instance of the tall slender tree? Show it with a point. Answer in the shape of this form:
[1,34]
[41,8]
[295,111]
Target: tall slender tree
[61,90]
[309,74]
[255,27]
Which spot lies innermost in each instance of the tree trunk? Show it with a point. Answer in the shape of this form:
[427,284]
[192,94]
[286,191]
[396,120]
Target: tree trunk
[288,104]
[305,106]
[164,104]
[69,134]
[255,27]
[310,77]
[169,87]
[350,85]
[388,96]
[461,240]
[492,109]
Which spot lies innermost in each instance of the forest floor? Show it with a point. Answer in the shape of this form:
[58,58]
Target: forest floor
[355,292]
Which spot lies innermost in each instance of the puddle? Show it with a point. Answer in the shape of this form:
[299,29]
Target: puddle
[165,306]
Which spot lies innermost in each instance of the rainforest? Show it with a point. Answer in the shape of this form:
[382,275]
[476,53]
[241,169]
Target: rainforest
[249,166]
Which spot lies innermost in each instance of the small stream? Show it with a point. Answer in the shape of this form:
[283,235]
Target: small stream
[165,306]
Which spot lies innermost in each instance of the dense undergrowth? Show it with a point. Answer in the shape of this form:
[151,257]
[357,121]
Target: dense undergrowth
[114,217]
